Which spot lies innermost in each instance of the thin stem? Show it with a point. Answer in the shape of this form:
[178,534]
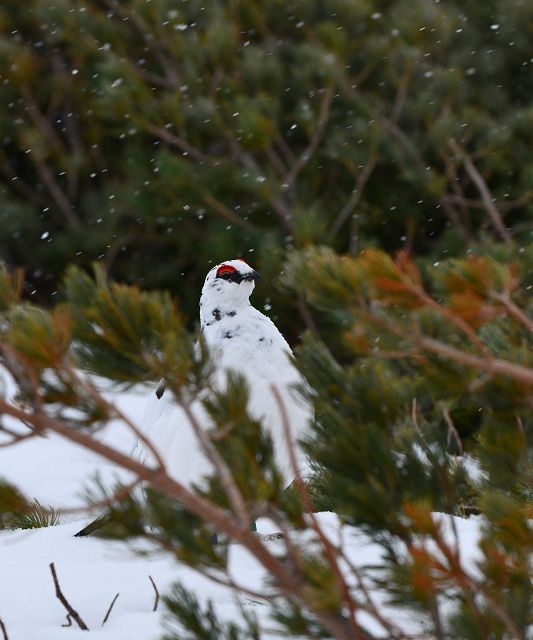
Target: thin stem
[156,601]
[106,618]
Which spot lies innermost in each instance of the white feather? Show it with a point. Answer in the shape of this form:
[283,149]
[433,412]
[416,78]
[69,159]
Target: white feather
[242,339]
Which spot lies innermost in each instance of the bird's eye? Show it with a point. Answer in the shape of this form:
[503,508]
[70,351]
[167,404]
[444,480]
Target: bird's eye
[225,269]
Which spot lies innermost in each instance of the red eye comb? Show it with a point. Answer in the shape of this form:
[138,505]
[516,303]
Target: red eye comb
[225,268]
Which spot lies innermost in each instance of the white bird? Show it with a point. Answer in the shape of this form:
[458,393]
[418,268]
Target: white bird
[242,339]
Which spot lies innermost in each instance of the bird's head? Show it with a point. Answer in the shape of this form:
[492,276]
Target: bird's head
[229,283]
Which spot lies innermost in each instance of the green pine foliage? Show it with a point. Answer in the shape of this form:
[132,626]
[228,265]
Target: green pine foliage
[160,137]
[377,156]
[431,373]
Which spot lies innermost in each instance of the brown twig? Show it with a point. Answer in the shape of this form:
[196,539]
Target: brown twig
[72,612]
[156,601]
[491,209]
[3,630]
[109,610]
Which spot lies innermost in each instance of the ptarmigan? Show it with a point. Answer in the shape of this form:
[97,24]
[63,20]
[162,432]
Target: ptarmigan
[242,339]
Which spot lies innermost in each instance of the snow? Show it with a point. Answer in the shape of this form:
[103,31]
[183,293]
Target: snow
[92,571]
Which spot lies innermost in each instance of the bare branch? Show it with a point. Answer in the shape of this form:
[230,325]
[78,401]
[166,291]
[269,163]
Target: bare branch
[113,410]
[227,213]
[276,161]
[307,316]
[489,365]
[56,192]
[176,141]
[109,610]
[479,181]
[513,309]
[314,141]
[277,203]
[72,612]
[156,601]
[15,437]
[354,199]
[221,468]
[40,120]
[452,431]
[122,492]
[3,630]
[495,365]
[424,297]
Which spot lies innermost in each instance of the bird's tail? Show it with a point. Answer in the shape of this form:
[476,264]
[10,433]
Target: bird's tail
[93,526]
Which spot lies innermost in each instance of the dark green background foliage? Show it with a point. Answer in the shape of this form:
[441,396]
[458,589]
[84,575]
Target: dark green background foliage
[160,136]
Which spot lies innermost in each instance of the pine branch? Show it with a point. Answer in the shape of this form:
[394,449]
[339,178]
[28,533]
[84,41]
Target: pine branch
[329,550]
[292,585]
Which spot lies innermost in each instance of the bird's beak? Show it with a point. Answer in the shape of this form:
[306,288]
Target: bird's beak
[246,277]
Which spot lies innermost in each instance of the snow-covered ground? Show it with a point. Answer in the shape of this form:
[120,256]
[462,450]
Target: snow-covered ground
[92,571]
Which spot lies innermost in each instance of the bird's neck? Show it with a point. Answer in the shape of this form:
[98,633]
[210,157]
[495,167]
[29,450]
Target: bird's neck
[214,311]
